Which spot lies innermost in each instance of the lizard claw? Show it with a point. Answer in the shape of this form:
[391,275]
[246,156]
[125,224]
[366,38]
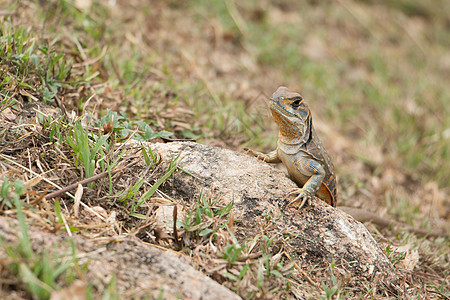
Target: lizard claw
[302,195]
[251,152]
[258,155]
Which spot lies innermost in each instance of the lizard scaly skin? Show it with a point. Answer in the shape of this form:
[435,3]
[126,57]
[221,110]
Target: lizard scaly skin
[299,149]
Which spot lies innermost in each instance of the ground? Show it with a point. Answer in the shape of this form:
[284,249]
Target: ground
[79,77]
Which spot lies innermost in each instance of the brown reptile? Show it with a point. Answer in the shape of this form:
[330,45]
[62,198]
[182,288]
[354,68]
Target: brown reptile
[299,149]
[306,160]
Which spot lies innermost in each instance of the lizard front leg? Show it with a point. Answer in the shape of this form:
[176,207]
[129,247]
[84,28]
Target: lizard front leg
[271,157]
[304,168]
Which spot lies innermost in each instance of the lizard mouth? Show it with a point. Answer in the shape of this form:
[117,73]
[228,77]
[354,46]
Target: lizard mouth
[279,109]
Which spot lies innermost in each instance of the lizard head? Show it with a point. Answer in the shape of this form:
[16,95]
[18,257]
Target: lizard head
[292,115]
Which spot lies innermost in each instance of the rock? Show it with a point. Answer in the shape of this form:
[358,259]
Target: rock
[315,237]
[141,271]
[323,234]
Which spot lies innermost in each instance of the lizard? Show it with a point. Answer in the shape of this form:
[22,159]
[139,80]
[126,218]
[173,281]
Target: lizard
[306,160]
[299,149]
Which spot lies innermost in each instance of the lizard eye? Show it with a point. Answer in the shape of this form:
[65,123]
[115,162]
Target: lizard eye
[296,102]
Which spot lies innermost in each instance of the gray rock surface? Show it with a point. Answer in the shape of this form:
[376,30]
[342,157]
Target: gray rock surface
[141,270]
[323,233]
